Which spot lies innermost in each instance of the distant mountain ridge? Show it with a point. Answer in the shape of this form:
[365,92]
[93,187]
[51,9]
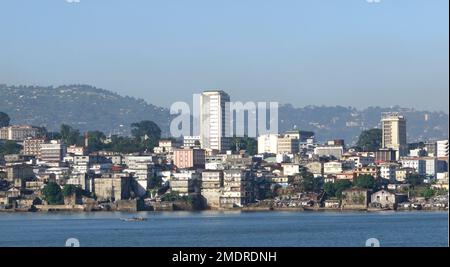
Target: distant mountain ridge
[88,108]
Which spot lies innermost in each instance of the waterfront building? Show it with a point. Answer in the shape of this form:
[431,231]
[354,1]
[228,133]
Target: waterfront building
[212,187]
[113,187]
[237,189]
[185,182]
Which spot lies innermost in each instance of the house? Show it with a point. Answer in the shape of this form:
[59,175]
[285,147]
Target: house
[387,199]
[332,203]
[355,198]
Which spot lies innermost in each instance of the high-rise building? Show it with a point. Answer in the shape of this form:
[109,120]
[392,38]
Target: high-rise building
[214,120]
[393,128]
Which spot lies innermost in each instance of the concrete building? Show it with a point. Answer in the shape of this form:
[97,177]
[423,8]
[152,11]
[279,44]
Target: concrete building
[212,187]
[141,168]
[237,189]
[417,164]
[361,161]
[431,148]
[290,169]
[332,167]
[288,145]
[385,155]
[185,182]
[113,187]
[76,150]
[369,170]
[268,143]
[387,170]
[32,146]
[18,132]
[214,120]
[191,141]
[355,198]
[189,158]
[53,152]
[442,149]
[328,151]
[393,128]
[386,199]
[402,173]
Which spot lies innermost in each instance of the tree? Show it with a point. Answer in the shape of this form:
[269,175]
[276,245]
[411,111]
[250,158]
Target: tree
[365,181]
[340,186]
[370,140]
[70,189]
[9,147]
[335,189]
[250,145]
[427,192]
[146,132]
[329,189]
[52,194]
[306,182]
[70,136]
[4,119]
[155,182]
[414,179]
[95,140]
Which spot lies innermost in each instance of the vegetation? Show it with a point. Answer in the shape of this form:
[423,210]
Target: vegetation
[9,147]
[414,179]
[174,196]
[4,119]
[369,140]
[250,145]
[306,182]
[366,181]
[155,182]
[335,189]
[52,194]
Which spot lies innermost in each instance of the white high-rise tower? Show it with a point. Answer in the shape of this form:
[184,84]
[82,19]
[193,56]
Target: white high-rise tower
[213,120]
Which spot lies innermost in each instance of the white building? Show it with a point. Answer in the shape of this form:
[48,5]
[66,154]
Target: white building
[53,152]
[442,148]
[191,141]
[387,170]
[332,167]
[394,132]
[142,169]
[214,120]
[268,143]
[18,132]
[335,151]
[416,163]
[290,169]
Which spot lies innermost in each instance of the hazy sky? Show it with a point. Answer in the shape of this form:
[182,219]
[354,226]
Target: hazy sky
[310,52]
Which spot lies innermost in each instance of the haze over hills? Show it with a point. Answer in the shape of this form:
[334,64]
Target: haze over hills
[88,108]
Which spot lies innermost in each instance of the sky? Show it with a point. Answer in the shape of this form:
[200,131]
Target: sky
[305,52]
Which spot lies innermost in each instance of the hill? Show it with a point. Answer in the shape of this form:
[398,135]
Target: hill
[88,108]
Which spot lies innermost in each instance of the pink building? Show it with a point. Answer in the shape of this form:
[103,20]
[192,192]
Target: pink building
[189,158]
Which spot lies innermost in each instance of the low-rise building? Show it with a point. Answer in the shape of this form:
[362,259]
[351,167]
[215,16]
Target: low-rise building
[387,199]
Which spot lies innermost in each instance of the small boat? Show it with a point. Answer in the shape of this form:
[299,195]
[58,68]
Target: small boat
[134,219]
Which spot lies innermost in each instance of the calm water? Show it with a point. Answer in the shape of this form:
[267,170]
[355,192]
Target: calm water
[225,229]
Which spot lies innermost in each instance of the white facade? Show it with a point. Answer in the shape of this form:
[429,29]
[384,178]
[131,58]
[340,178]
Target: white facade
[332,167]
[442,148]
[268,143]
[214,120]
[387,171]
[417,164]
[394,132]
[191,141]
[335,151]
